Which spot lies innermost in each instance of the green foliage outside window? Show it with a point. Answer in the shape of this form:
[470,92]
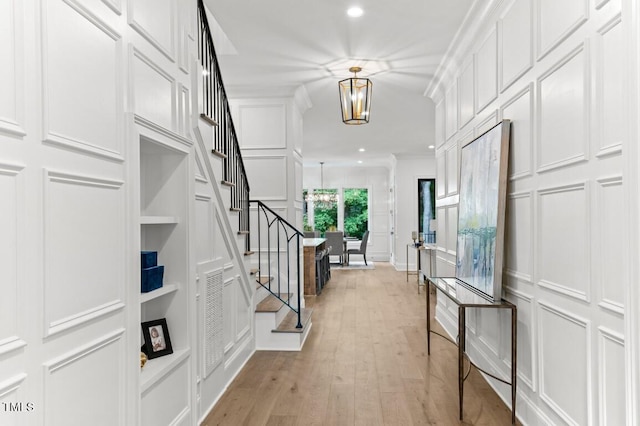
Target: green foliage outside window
[356,212]
[325,216]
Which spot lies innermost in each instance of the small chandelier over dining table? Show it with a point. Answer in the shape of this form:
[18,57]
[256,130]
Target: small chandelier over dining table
[321,198]
[355,98]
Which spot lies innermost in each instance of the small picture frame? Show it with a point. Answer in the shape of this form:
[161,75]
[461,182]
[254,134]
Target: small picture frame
[157,342]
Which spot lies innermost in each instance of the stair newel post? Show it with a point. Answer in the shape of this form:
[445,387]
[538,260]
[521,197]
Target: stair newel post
[299,325]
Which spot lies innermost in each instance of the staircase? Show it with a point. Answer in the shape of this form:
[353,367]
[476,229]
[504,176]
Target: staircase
[272,247]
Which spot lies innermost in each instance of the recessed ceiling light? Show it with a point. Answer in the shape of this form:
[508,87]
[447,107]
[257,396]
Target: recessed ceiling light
[355,12]
[359,161]
[431,147]
[361,150]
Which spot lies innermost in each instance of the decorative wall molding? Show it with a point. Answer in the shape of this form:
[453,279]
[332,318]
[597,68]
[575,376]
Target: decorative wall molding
[516,42]
[584,278]
[578,131]
[78,138]
[585,326]
[272,115]
[268,190]
[114,5]
[486,72]
[167,50]
[82,352]
[141,88]
[546,11]
[521,153]
[609,87]
[12,86]
[70,320]
[12,384]
[606,368]
[530,382]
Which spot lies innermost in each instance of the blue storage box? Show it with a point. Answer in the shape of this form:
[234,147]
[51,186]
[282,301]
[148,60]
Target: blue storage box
[149,259]
[152,278]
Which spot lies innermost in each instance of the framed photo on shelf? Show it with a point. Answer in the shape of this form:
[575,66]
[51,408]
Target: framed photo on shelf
[157,342]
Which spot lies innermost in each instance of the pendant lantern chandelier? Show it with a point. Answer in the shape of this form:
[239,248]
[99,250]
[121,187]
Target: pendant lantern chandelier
[320,197]
[355,98]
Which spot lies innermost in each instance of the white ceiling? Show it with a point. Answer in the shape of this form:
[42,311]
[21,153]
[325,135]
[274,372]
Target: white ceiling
[283,44]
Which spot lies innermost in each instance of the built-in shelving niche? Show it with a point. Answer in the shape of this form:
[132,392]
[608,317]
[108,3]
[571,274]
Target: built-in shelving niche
[164,189]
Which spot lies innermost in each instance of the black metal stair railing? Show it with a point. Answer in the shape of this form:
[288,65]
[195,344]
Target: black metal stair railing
[287,238]
[278,244]
[215,104]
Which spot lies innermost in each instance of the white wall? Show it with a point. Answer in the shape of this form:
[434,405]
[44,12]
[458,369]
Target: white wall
[407,170]
[556,69]
[82,83]
[376,179]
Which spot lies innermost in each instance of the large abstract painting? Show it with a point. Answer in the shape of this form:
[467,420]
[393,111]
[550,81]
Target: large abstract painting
[483,189]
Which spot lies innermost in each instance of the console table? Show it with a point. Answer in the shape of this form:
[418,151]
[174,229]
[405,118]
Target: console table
[465,298]
[429,248]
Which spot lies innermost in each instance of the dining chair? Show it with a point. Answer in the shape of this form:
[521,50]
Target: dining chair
[363,248]
[335,240]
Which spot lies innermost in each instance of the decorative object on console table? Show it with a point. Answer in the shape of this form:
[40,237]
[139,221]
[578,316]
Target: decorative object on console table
[483,192]
[414,237]
[157,342]
[151,273]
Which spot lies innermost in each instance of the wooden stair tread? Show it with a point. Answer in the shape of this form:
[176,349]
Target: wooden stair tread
[272,303]
[248,253]
[289,322]
[253,271]
[208,119]
[227,183]
[218,153]
[264,280]
[243,232]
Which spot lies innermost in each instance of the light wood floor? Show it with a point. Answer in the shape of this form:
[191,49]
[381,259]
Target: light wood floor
[364,363]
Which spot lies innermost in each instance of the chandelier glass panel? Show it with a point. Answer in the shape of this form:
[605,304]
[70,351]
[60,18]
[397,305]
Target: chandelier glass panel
[355,98]
[322,198]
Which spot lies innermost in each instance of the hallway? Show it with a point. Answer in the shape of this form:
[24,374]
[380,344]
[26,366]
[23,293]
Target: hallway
[364,363]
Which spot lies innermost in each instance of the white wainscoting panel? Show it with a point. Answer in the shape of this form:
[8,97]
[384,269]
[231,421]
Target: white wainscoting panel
[12,192]
[451,156]
[452,229]
[518,253]
[519,109]
[527,356]
[486,60]
[204,224]
[243,310]
[451,112]
[75,376]
[439,123]
[262,126]
[11,68]
[564,346]
[84,249]
[557,20]
[466,93]
[156,408]
[12,392]
[611,236]
[297,178]
[610,62]
[441,170]
[487,123]
[268,176]
[441,230]
[154,91]
[78,113]
[563,94]
[516,42]
[611,374]
[563,240]
[155,21]
[229,299]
